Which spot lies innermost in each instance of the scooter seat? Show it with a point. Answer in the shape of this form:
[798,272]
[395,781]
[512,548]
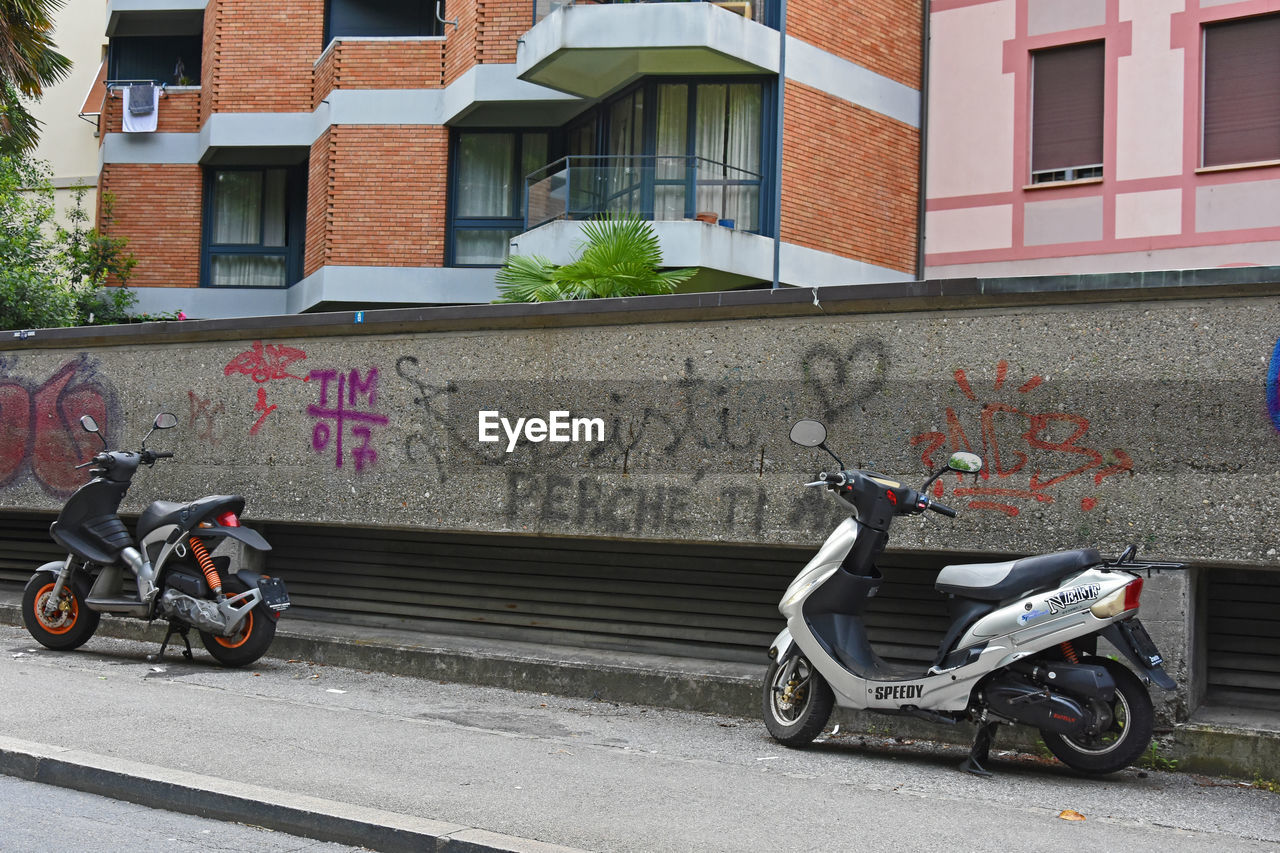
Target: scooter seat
[998,581]
[160,513]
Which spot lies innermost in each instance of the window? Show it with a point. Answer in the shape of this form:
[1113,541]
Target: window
[488,192]
[1242,91]
[251,240]
[671,150]
[1066,112]
[174,60]
[381,18]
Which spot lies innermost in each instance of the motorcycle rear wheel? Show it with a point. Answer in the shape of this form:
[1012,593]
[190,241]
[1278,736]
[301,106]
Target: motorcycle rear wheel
[1124,741]
[252,639]
[71,624]
[797,701]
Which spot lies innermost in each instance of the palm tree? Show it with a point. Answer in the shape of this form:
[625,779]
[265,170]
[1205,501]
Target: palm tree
[29,61]
[619,258]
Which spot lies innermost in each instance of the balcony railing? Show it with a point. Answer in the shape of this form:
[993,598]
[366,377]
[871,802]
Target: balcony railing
[755,10]
[656,188]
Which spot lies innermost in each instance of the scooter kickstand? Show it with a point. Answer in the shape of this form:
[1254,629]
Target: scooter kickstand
[174,628]
[980,751]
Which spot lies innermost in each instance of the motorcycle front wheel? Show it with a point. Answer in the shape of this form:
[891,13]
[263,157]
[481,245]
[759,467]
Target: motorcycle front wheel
[1123,740]
[65,624]
[797,701]
[251,640]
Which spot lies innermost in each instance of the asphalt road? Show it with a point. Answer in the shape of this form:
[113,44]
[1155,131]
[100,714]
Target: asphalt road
[591,775]
[44,819]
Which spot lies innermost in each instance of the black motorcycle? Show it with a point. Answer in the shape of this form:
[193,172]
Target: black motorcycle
[171,576]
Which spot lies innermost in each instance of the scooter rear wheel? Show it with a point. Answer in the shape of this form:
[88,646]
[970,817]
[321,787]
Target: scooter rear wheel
[797,701]
[250,641]
[1124,740]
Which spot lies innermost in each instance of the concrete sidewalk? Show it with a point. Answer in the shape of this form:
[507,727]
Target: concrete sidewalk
[329,813]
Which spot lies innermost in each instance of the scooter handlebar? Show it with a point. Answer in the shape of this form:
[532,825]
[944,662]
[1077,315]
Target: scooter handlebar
[942,509]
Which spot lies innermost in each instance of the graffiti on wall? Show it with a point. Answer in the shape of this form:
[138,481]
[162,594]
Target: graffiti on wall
[1010,481]
[342,393]
[265,363]
[40,431]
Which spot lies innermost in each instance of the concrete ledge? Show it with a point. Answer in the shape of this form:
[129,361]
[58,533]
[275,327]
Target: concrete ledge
[219,799]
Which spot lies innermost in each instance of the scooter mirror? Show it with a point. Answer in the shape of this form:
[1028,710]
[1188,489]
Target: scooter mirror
[808,433]
[165,420]
[89,424]
[969,463]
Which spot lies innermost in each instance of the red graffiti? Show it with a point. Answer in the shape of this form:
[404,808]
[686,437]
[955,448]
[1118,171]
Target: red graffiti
[1057,436]
[201,420]
[263,363]
[40,429]
[261,407]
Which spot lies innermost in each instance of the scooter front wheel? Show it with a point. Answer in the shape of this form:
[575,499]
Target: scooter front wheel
[64,624]
[797,701]
[1125,737]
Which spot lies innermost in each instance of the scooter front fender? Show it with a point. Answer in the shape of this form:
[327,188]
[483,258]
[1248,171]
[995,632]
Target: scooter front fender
[782,646]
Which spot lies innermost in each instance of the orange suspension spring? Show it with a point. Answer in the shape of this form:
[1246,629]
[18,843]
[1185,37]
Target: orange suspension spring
[1069,652]
[206,565]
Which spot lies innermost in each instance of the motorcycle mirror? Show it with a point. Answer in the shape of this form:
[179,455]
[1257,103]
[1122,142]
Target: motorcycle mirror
[969,463]
[166,420]
[89,424]
[808,433]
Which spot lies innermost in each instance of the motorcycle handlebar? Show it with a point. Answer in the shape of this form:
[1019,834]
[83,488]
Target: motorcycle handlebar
[943,509]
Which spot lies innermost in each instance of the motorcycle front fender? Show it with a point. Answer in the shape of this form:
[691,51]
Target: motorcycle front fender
[1132,640]
[782,646]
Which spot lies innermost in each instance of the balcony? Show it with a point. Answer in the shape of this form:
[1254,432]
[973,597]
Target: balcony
[591,50]
[154,17]
[652,187]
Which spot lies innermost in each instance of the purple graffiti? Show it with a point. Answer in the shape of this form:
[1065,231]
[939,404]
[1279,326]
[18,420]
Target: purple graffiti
[1273,387]
[332,420]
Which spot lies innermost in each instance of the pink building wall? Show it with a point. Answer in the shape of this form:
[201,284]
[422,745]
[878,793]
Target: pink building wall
[1154,207]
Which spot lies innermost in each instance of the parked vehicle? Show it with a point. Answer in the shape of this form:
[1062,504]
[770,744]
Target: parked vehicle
[172,575]
[1022,646]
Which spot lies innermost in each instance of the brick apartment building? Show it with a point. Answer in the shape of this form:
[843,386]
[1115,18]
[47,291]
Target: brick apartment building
[318,154]
[1102,135]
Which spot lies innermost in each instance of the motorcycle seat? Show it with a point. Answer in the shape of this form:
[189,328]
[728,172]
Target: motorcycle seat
[998,581]
[161,513]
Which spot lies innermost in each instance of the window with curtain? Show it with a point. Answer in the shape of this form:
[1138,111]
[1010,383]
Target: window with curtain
[488,192]
[1241,91]
[247,228]
[1067,85]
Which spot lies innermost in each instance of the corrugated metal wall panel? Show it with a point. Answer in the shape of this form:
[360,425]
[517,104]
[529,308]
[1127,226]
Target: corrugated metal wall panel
[1243,637]
[715,601]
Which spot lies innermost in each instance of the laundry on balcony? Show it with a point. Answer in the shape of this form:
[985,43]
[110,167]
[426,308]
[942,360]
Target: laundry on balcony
[141,108]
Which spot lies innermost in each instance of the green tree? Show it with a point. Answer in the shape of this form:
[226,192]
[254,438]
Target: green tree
[29,61]
[51,275]
[620,257]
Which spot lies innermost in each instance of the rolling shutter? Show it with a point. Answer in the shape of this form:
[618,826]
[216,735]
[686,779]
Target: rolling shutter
[710,601]
[1243,638]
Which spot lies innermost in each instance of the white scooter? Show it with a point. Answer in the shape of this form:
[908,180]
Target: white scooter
[1022,646]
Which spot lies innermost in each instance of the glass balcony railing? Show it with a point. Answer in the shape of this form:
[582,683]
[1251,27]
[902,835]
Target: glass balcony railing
[755,10]
[655,188]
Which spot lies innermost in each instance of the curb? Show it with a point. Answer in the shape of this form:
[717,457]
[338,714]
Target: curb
[205,796]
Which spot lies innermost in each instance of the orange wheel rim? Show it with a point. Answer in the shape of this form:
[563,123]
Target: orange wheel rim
[66,618]
[240,637]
